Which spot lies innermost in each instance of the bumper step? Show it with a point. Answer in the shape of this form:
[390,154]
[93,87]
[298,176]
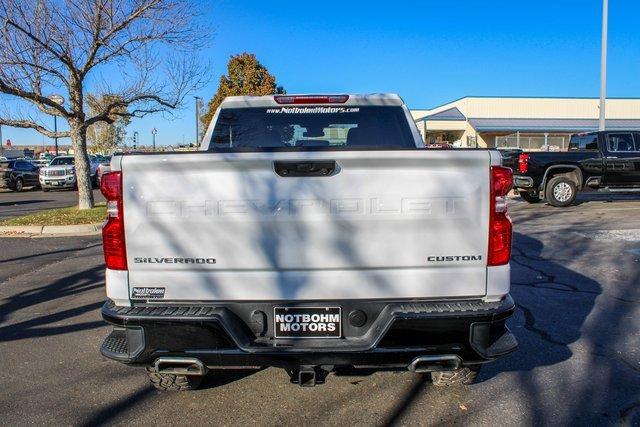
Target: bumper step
[123,344]
[503,345]
[116,343]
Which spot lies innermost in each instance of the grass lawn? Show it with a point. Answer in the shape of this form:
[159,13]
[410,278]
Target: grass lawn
[62,216]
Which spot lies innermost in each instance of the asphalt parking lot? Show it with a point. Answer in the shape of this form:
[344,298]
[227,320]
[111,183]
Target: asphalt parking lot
[575,274]
[33,200]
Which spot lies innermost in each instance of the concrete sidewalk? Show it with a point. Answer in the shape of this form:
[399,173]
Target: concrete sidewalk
[50,230]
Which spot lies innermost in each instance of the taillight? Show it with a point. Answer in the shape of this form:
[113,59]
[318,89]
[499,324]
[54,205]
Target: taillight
[523,163]
[115,255]
[500,227]
[311,99]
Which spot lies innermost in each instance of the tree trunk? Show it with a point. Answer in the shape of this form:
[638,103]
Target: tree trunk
[83,167]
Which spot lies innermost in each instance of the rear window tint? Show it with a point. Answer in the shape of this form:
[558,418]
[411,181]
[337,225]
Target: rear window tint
[584,142]
[311,126]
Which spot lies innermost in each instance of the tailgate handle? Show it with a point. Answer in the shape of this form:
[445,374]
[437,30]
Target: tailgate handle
[305,168]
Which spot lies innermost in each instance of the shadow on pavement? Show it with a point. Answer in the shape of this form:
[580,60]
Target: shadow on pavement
[61,251]
[547,309]
[72,284]
[114,410]
[221,377]
[405,401]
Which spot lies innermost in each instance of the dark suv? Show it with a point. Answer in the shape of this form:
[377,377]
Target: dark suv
[17,174]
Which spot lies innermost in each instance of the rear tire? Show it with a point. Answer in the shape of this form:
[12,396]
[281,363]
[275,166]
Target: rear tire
[462,376]
[530,197]
[172,382]
[19,185]
[561,191]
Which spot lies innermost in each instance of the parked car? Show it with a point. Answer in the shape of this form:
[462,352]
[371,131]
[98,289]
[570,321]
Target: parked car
[102,169]
[18,174]
[60,173]
[311,232]
[605,160]
[94,162]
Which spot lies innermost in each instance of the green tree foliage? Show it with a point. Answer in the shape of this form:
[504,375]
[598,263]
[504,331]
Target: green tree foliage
[245,76]
[104,137]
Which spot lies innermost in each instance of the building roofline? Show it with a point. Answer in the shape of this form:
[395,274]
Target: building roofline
[525,97]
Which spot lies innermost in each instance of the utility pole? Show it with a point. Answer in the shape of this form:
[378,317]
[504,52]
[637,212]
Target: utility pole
[154,131]
[55,129]
[603,65]
[198,101]
[58,100]
[135,139]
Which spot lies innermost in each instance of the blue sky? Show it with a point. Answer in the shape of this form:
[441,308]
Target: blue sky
[430,52]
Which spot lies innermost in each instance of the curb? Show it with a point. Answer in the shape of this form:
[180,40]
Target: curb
[49,230]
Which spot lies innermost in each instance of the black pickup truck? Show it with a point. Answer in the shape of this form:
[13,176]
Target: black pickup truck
[607,160]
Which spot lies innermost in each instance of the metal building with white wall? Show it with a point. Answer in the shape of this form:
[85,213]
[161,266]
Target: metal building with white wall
[524,122]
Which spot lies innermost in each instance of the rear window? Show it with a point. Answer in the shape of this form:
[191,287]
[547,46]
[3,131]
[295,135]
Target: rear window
[584,142]
[311,126]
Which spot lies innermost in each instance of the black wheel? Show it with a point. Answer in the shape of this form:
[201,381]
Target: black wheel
[19,185]
[462,376]
[561,191]
[530,197]
[172,382]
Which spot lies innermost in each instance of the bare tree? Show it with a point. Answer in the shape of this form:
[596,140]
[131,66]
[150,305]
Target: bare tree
[138,53]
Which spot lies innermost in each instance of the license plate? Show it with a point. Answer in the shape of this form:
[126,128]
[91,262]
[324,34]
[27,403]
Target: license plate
[307,322]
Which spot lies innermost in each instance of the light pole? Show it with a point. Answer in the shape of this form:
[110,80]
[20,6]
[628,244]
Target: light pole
[603,65]
[135,139]
[58,100]
[154,131]
[198,101]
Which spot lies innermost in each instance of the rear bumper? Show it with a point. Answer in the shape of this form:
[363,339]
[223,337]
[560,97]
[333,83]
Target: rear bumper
[522,182]
[241,334]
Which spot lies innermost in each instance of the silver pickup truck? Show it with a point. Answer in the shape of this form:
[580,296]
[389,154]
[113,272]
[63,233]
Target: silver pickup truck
[312,233]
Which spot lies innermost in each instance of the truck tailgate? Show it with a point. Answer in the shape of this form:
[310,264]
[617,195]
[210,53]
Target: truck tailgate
[385,224]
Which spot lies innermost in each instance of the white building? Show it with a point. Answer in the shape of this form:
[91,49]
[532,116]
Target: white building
[529,123]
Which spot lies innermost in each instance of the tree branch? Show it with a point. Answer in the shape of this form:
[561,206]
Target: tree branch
[110,109]
[28,124]
[99,42]
[61,57]
[34,97]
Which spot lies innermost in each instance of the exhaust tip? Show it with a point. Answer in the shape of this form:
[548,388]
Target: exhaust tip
[180,366]
[436,363]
